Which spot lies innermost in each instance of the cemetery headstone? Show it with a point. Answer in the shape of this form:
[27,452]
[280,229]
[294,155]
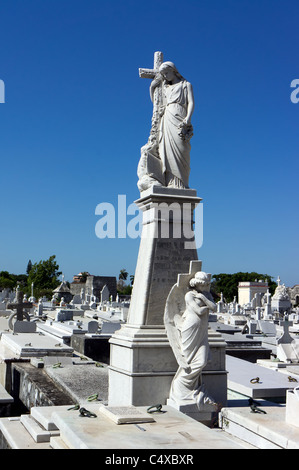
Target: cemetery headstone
[19,306]
[287,346]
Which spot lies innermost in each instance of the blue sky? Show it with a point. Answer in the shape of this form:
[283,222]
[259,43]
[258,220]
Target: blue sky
[76,114]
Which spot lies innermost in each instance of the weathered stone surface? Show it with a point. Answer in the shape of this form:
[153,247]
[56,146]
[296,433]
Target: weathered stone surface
[33,387]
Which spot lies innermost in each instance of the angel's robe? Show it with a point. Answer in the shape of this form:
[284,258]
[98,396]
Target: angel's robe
[194,347]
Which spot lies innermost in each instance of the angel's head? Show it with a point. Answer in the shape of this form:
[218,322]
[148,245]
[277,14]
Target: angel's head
[201,281]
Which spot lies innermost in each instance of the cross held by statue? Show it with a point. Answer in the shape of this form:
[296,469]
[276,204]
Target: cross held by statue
[157,98]
[151,73]
[19,305]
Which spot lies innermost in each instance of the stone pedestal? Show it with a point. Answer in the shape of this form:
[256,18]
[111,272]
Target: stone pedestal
[142,366]
[142,363]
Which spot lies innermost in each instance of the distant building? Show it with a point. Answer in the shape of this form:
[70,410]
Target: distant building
[94,285]
[247,290]
[63,291]
[80,277]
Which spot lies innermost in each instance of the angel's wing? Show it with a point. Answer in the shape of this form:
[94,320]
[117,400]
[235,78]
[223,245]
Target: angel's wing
[174,309]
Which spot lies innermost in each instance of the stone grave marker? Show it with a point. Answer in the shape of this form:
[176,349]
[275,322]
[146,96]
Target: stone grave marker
[105,294]
[92,327]
[109,328]
[19,306]
[24,327]
[285,338]
[125,414]
[267,327]
[77,300]
[252,326]
[64,315]
[287,346]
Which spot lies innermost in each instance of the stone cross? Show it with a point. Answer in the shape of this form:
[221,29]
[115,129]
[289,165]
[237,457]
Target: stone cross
[151,73]
[268,297]
[184,279]
[286,338]
[19,305]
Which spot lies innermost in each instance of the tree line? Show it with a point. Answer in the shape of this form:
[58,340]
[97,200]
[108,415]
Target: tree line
[228,283]
[221,283]
[44,275]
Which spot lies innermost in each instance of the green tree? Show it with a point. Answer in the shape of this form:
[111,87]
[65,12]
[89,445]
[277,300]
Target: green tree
[45,276]
[228,283]
[6,283]
[8,280]
[29,267]
[21,280]
[123,275]
[122,287]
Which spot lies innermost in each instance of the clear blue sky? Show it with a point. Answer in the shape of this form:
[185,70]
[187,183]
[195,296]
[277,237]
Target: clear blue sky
[77,113]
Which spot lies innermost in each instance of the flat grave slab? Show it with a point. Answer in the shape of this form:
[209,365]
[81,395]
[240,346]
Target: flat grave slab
[82,381]
[34,345]
[17,437]
[43,415]
[52,331]
[224,328]
[171,430]
[65,330]
[265,431]
[271,384]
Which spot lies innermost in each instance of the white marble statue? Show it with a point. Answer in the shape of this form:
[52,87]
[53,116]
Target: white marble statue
[281,293]
[186,320]
[165,159]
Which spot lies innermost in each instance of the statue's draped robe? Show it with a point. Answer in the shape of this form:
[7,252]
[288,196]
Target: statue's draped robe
[174,151]
[195,348]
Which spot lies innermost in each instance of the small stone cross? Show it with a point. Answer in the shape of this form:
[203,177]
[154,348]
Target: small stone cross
[19,305]
[286,338]
[195,266]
